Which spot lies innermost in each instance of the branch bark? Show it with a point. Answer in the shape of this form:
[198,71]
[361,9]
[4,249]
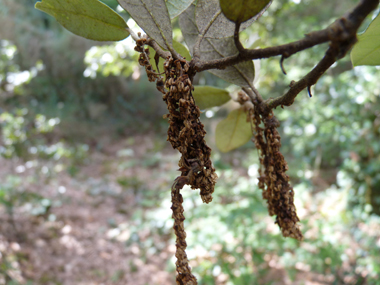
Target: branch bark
[341,30]
[344,38]
[341,34]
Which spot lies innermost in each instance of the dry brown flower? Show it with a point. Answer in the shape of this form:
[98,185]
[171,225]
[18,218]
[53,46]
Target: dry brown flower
[184,275]
[273,179]
[186,132]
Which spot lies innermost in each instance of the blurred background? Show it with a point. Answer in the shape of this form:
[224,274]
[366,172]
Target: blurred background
[85,168]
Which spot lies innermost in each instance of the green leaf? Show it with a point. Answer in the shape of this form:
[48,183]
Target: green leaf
[208,96]
[241,74]
[240,11]
[208,11]
[153,17]
[180,48]
[367,50]
[233,132]
[176,7]
[90,19]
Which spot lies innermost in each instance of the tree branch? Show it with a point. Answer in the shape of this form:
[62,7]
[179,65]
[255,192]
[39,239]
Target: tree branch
[341,30]
[133,34]
[341,34]
[158,49]
[310,79]
[339,46]
[312,39]
[254,95]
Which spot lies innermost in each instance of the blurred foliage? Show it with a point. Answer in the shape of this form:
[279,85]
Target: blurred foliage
[13,195]
[62,96]
[42,46]
[235,242]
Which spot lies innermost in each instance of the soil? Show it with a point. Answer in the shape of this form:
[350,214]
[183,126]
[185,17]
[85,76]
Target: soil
[78,239]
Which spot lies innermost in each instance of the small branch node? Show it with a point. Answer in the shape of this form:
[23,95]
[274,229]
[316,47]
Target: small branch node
[282,64]
[309,91]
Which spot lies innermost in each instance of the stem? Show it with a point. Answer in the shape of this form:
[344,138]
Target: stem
[342,30]
[133,34]
[238,44]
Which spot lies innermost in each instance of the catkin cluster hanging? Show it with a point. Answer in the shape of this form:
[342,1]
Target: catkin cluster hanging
[186,132]
[273,180]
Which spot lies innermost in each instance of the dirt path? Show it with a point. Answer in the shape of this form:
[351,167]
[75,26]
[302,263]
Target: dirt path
[90,234]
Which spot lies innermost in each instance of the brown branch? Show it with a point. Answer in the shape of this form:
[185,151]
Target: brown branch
[339,46]
[312,39]
[254,95]
[158,49]
[341,30]
[310,79]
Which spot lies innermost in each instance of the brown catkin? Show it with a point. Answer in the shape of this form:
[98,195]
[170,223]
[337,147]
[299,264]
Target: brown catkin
[183,269]
[273,179]
[144,60]
[186,132]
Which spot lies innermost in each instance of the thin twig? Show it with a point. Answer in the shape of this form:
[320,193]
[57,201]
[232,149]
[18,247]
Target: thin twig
[310,79]
[341,30]
[282,64]
[311,40]
[238,44]
[134,36]
[158,49]
[254,95]
[341,35]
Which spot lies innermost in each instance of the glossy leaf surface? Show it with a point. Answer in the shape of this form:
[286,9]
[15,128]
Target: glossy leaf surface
[90,19]
[233,132]
[240,11]
[367,50]
[209,11]
[153,17]
[208,96]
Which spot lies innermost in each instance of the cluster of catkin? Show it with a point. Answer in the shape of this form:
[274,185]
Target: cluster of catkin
[186,132]
[144,59]
[273,180]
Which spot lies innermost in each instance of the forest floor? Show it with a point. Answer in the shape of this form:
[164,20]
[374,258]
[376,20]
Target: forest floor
[82,229]
[81,238]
